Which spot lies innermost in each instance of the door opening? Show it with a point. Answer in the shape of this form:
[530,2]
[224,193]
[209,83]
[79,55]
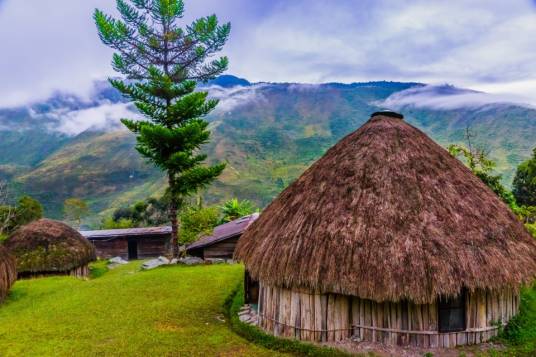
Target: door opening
[452,313]
[251,290]
[132,249]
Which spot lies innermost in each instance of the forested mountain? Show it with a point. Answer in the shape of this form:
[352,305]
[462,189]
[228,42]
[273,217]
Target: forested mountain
[267,132]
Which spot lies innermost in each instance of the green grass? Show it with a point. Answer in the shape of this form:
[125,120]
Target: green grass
[172,311]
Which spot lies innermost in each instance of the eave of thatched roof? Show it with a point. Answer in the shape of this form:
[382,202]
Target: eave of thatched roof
[47,246]
[8,272]
[388,214]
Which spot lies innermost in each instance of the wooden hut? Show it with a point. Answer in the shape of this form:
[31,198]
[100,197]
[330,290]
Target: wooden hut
[8,272]
[221,243]
[130,243]
[47,247]
[388,238]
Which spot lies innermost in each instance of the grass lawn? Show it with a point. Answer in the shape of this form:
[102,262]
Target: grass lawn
[172,311]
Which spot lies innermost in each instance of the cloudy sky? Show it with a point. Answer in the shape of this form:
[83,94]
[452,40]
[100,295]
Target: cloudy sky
[486,45]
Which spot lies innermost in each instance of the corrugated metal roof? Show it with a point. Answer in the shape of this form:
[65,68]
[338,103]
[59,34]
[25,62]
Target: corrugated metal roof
[127,232]
[225,231]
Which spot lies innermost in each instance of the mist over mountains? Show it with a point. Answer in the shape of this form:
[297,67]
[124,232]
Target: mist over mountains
[267,132]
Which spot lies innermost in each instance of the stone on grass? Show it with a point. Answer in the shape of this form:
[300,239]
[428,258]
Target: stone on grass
[190,261]
[117,260]
[215,260]
[154,263]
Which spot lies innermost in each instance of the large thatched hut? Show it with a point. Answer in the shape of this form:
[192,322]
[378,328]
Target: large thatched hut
[8,272]
[47,247]
[388,238]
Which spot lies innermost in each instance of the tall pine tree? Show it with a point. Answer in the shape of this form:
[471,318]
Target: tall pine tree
[162,63]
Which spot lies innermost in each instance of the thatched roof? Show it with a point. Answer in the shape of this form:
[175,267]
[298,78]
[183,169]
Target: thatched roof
[8,272]
[47,246]
[388,214]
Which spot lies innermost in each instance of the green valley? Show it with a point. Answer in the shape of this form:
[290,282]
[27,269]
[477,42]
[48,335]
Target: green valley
[268,133]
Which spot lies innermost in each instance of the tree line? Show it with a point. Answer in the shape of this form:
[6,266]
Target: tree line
[522,198]
[196,219]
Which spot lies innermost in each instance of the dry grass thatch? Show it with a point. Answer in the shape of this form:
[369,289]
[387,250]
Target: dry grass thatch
[47,247]
[8,272]
[388,214]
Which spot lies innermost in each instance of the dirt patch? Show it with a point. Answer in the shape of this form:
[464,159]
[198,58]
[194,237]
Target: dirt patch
[377,349]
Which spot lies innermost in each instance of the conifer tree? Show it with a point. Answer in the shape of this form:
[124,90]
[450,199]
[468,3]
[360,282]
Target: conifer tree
[163,62]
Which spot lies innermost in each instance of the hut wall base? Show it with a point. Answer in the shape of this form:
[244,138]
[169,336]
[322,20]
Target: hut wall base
[309,316]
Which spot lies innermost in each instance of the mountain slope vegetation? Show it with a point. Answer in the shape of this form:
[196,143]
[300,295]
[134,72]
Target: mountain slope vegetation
[268,133]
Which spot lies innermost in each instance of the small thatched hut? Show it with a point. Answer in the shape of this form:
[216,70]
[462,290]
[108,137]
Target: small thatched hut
[388,238]
[8,272]
[47,247]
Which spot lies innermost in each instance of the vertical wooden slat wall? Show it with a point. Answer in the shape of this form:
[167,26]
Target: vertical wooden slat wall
[332,317]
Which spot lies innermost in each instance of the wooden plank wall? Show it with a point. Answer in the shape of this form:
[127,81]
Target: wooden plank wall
[148,247]
[224,249]
[152,247]
[112,248]
[80,272]
[333,317]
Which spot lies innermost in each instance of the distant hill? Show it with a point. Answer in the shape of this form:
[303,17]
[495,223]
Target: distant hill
[267,132]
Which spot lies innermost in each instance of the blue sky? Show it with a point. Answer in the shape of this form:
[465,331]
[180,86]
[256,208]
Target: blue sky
[487,45]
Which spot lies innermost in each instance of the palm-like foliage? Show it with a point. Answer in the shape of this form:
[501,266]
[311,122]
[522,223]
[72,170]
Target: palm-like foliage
[234,209]
[163,62]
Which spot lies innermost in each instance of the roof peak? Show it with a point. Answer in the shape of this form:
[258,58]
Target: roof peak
[387,113]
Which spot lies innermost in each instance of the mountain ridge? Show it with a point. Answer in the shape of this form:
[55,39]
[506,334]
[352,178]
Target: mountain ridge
[268,133]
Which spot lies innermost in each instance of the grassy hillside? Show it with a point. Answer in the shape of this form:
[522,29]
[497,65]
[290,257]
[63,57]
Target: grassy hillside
[267,133]
[170,311]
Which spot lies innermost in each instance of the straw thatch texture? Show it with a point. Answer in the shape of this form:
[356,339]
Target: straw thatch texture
[8,272]
[47,246]
[388,214]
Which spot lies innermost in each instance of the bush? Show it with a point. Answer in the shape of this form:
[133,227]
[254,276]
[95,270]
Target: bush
[532,229]
[520,333]
[196,222]
[234,209]
[110,223]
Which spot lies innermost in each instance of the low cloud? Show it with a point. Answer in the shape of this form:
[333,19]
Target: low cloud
[231,98]
[447,97]
[105,116]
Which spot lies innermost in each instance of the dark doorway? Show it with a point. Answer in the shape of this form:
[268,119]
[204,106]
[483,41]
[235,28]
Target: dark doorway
[452,313]
[132,249]
[251,288]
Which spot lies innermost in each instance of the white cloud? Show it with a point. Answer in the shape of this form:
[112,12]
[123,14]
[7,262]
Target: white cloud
[233,97]
[105,116]
[53,45]
[445,97]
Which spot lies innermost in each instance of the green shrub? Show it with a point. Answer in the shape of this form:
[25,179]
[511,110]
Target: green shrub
[196,222]
[110,223]
[520,332]
[531,228]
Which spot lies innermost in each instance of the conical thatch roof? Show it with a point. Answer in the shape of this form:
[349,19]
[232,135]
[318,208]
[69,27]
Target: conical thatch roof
[388,214]
[47,246]
[8,272]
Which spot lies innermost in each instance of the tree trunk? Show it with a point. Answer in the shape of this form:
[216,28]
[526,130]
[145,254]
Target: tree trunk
[173,208]
[174,242]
